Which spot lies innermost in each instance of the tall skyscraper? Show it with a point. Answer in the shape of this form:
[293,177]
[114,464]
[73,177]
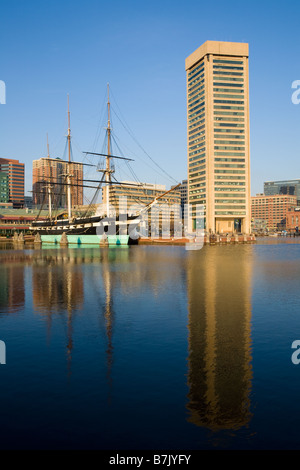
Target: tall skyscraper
[218,135]
[45,171]
[15,171]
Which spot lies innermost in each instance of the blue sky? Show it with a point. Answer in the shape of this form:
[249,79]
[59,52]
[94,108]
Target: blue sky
[55,48]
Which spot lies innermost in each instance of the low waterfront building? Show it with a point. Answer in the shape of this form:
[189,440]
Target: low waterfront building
[18,220]
[272,209]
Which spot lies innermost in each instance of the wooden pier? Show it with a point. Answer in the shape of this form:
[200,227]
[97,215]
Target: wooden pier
[211,239]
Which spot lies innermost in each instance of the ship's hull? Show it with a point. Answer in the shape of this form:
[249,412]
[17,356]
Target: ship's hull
[88,231]
[78,239]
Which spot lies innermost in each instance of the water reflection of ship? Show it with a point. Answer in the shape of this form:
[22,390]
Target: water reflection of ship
[219,376]
[108,315]
[57,292]
[12,290]
[60,290]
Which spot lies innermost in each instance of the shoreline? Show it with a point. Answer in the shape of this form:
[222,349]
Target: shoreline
[208,240]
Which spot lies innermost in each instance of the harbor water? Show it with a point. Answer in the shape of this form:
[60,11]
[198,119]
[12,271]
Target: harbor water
[150,347]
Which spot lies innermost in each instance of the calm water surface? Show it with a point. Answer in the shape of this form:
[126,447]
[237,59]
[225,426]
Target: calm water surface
[150,347]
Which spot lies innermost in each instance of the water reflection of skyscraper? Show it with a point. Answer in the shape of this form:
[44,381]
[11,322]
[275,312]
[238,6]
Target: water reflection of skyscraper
[219,376]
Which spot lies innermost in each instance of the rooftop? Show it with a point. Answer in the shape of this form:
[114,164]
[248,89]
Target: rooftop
[238,49]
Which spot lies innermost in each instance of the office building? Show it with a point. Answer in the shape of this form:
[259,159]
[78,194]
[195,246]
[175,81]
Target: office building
[272,209]
[141,193]
[53,171]
[4,187]
[15,171]
[130,197]
[290,187]
[183,190]
[218,135]
[28,202]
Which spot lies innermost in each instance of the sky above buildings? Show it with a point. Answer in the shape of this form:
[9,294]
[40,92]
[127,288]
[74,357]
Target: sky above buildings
[55,48]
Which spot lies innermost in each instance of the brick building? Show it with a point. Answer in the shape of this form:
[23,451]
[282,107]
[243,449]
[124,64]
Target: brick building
[272,209]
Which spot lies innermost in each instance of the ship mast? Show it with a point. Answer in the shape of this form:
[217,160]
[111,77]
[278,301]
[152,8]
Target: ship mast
[108,171]
[69,131]
[68,172]
[49,187]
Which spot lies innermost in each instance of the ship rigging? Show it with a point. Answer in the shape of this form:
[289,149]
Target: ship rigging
[85,228]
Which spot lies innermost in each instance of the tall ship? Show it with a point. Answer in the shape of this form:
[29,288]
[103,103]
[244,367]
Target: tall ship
[106,226]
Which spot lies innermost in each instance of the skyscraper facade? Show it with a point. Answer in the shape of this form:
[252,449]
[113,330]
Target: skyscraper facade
[16,172]
[218,135]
